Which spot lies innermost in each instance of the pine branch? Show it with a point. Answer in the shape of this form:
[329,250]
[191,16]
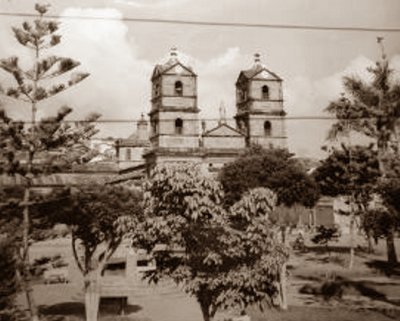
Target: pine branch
[60,64]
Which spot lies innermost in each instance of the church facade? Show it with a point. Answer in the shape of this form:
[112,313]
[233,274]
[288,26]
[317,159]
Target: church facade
[176,132]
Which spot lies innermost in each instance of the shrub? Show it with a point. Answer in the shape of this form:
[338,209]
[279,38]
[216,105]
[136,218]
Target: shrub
[325,235]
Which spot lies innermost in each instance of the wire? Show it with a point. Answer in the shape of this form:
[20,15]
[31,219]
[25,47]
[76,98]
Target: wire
[210,23]
[227,121]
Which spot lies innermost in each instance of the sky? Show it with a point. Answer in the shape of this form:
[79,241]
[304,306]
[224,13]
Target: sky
[120,55]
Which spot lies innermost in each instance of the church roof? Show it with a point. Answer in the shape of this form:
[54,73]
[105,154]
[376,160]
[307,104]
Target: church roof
[258,69]
[133,141]
[171,63]
[223,129]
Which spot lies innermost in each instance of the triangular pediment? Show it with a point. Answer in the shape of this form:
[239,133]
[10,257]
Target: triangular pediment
[258,73]
[179,69]
[223,130]
[265,74]
[176,68]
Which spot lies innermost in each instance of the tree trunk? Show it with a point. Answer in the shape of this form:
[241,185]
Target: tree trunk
[391,249]
[205,311]
[284,230]
[370,244]
[26,274]
[206,315]
[283,288]
[352,218]
[282,276]
[92,295]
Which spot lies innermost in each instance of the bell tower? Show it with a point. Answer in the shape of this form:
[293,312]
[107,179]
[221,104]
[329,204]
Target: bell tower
[259,106]
[174,113]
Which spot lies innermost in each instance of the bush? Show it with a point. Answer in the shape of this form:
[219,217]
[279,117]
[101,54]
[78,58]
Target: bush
[43,263]
[8,280]
[325,235]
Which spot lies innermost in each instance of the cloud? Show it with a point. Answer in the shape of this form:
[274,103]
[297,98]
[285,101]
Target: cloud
[309,98]
[118,86]
[306,97]
[216,82]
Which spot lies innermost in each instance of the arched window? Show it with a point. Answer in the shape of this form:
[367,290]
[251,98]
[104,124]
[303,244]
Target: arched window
[128,154]
[267,128]
[179,88]
[178,126]
[265,92]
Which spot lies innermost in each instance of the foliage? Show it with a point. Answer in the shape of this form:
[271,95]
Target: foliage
[39,35]
[387,217]
[43,204]
[325,235]
[378,222]
[8,280]
[223,257]
[372,108]
[45,146]
[56,145]
[349,170]
[389,186]
[43,263]
[275,169]
[97,215]
[53,143]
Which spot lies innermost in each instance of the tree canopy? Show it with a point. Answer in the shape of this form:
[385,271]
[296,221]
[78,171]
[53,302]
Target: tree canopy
[94,213]
[39,147]
[8,280]
[275,169]
[223,257]
[348,170]
[372,107]
[98,216]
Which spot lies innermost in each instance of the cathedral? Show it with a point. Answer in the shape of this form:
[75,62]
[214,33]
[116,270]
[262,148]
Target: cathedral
[175,132]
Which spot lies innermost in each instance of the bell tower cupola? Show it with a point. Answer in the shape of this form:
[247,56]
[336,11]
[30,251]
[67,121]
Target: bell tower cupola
[259,106]
[174,112]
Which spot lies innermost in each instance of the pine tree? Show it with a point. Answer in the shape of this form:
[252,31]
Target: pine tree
[46,145]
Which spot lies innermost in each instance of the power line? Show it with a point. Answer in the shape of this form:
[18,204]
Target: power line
[210,23]
[230,120]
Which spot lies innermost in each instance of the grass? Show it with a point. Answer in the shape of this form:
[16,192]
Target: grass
[319,314]
[368,292]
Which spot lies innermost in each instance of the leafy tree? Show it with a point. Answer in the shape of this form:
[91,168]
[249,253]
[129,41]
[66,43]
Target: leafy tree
[387,218]
[351,172]
[277,170]
[371,108]
[378,222]
[325,235]
[42,146]
[98,216]
[348,170]
[224,258]
[8,280]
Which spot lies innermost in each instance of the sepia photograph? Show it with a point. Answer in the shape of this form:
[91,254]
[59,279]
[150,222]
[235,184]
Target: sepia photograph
[199,160]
